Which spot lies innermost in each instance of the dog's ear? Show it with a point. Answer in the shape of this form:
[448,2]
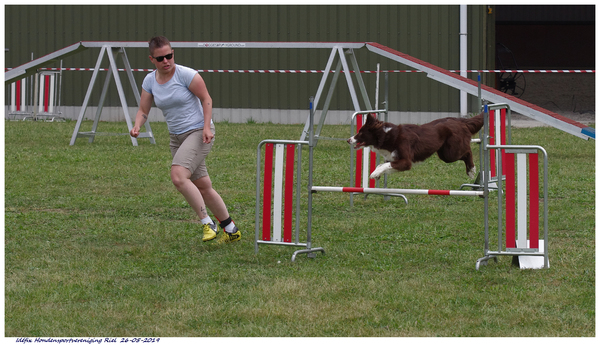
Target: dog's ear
[370,118]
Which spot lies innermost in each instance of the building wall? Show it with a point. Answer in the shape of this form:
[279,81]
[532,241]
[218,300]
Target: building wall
[430,33]
[544,37]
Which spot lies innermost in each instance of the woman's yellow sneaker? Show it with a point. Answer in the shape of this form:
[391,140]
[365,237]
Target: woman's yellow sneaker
[228,238]
[210,231]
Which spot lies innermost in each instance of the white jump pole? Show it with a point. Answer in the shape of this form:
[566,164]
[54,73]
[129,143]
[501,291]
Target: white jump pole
[52,96]
[42,86]
[13,97]
[367,156]
[278,195]
[397,191]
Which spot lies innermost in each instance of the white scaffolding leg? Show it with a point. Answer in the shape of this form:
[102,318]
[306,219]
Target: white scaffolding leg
[343,63]
[320,91]
[113,71]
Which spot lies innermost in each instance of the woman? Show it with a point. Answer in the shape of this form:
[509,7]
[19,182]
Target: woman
[181,94]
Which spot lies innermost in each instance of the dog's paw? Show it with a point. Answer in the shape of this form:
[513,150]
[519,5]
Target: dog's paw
[380,170]
[375,175]
[472,172]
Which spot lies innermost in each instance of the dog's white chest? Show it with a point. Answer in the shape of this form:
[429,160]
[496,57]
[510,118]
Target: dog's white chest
[389,156]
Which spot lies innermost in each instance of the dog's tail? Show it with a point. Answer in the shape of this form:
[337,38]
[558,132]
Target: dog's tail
[475,123]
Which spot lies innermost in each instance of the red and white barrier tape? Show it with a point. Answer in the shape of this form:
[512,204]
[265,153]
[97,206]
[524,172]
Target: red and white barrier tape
[282,71]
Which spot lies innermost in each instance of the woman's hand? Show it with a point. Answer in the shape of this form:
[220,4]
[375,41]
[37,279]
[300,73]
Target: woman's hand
[135,131]
[207,135]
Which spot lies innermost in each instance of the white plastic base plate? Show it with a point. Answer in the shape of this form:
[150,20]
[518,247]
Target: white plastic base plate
[532,262]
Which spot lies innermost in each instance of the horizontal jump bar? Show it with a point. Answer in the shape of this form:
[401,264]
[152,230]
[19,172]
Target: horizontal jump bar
[397,191]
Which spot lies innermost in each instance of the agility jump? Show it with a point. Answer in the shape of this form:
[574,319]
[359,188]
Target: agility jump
[366,161]
[518,226]
[36,98]
[279,197]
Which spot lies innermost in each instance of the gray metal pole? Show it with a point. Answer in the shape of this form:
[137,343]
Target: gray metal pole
[35,94]
[385,118]
[352,161]
[486,177]
[310,252]
[546,261]
[257,203]
[481,133]
[31,87]
[310,173]
[59,97]
[298,189]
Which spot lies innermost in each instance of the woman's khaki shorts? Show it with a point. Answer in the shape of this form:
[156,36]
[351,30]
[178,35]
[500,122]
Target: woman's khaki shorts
[189,151]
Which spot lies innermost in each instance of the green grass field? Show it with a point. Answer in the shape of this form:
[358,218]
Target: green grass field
[99,243]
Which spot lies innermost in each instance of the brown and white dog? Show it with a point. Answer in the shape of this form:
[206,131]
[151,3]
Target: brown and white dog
[402,145]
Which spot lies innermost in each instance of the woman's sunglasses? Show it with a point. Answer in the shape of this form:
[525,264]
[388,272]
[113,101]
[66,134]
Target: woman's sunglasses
[160,58]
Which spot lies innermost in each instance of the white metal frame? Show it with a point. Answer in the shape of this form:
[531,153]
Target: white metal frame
[116,48]
[112,52]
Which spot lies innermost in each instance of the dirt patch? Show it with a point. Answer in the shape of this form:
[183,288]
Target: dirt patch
[572,95]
